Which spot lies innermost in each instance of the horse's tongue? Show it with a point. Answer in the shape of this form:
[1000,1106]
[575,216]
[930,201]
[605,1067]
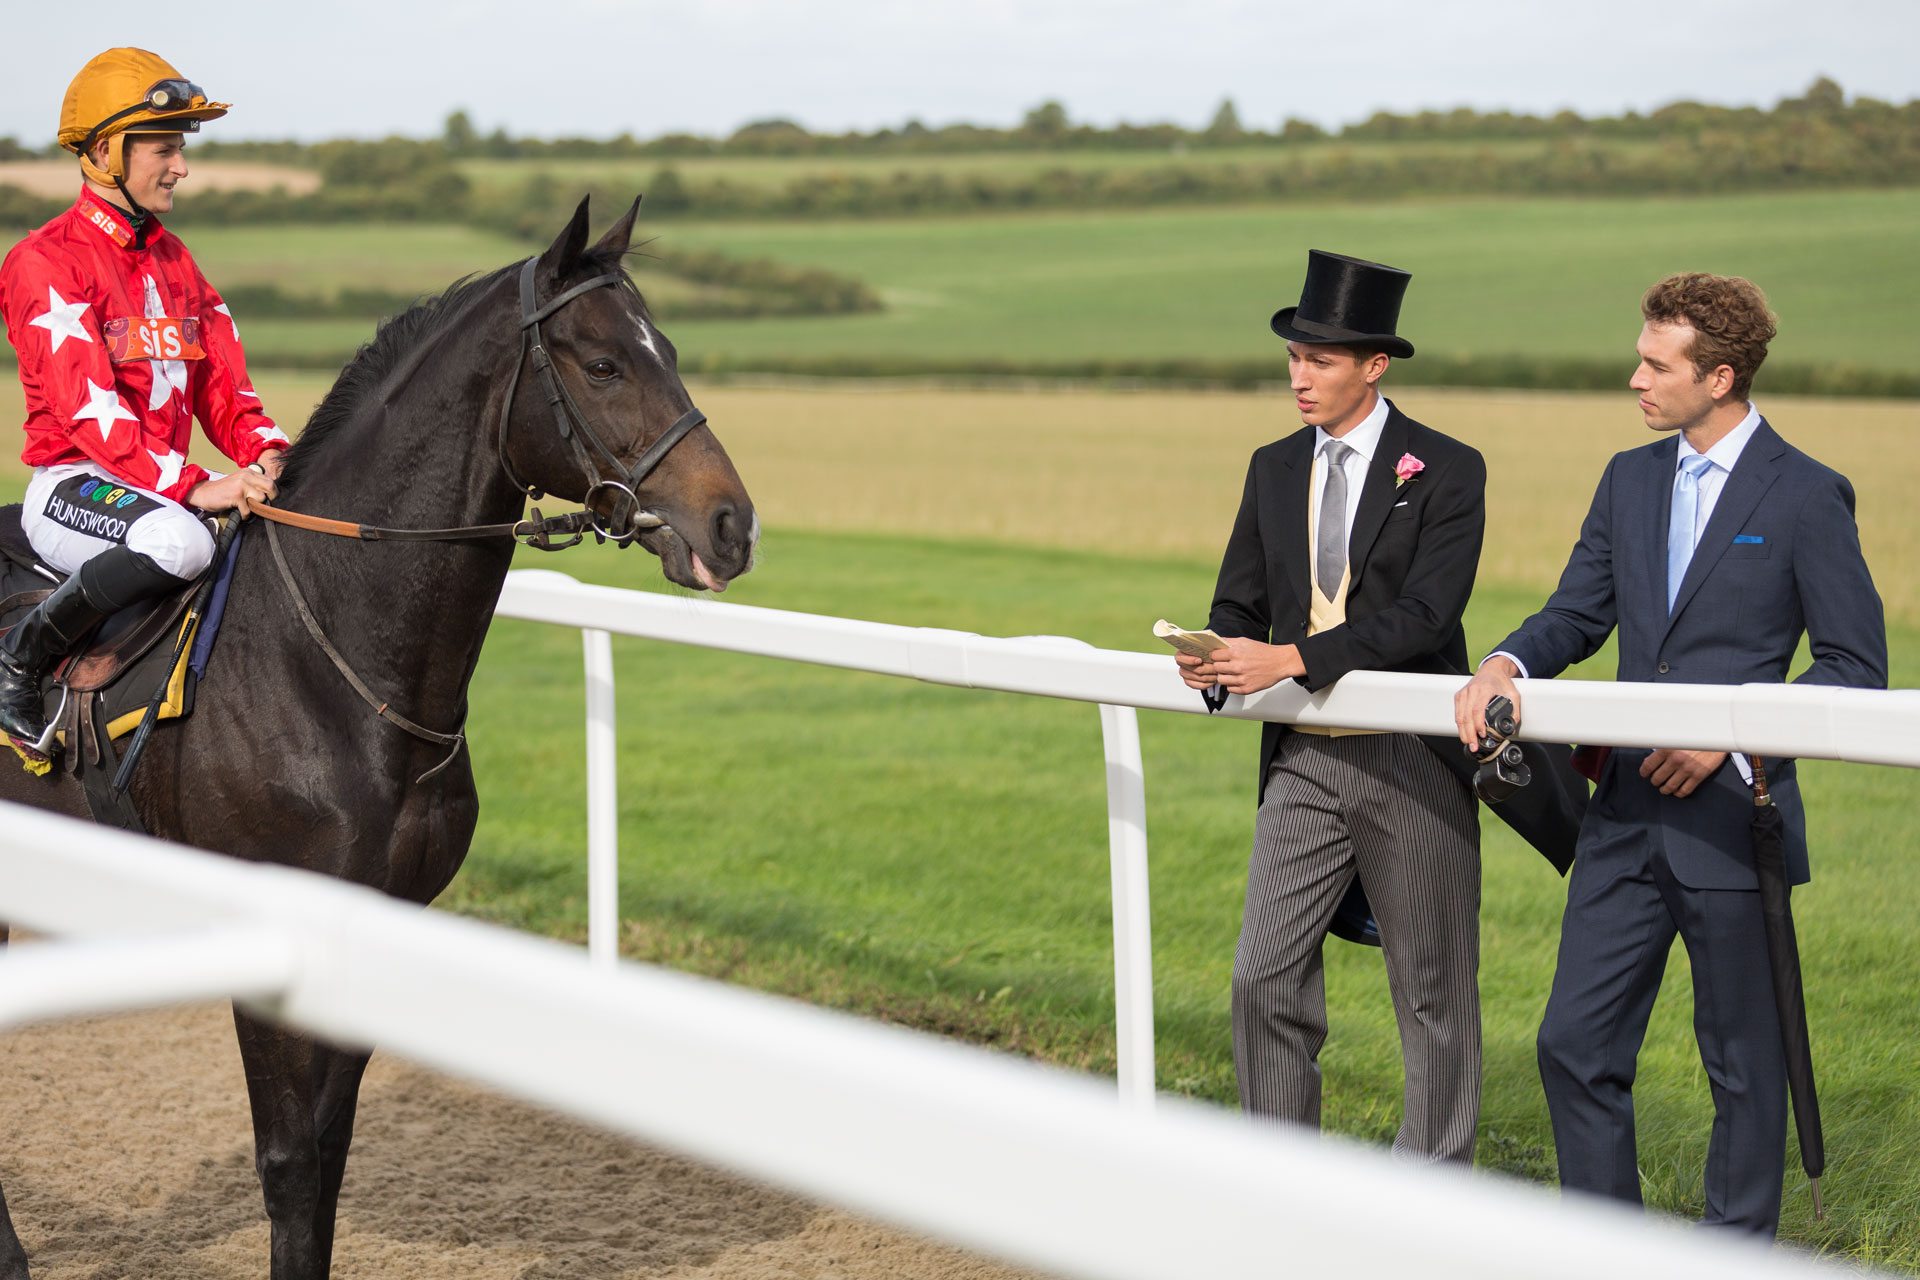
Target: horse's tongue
[705,575]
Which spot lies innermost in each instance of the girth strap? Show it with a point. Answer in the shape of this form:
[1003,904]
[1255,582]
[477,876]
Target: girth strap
[382,709]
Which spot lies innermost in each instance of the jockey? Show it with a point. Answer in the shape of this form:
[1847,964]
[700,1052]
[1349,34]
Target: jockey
[122,343]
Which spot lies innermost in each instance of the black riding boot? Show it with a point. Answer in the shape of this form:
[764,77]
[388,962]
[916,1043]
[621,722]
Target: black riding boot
[105,585]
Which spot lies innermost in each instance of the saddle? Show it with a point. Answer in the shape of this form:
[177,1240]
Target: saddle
[100,691]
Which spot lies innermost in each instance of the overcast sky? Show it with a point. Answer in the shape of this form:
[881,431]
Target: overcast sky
[598,67]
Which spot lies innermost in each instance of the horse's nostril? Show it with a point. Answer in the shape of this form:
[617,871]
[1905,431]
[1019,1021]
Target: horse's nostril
[726,527]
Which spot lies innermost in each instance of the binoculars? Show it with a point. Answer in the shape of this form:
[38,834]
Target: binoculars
[1503,769]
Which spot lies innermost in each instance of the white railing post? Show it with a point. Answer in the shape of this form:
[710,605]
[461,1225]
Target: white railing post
[1132,918]
[1132,921]
[603,807]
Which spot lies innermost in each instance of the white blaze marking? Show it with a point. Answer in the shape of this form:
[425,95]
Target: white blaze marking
[646,337]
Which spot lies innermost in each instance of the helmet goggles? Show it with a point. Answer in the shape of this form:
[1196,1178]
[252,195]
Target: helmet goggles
[166,95]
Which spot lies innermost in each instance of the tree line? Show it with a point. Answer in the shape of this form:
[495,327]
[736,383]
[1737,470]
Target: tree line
[1817,140]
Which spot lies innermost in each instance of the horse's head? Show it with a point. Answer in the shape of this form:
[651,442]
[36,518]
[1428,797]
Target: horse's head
[599,415]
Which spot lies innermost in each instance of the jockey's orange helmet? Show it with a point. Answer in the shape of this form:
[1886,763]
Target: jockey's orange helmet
[126,91]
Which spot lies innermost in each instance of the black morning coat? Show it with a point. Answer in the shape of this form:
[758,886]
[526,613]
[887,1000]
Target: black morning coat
[1413,554]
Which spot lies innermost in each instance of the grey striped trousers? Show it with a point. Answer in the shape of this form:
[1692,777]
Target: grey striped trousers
[1381,805]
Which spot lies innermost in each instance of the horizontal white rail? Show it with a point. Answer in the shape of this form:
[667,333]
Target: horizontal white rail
[1014,1159]
[1865,726]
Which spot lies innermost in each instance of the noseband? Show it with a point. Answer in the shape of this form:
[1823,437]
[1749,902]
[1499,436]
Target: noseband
[622,482]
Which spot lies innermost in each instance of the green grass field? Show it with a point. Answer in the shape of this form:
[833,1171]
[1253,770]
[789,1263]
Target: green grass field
[1534,277]
[938,857]
[1539,278]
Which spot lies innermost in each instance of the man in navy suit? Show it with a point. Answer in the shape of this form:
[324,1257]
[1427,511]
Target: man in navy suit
[1712,551]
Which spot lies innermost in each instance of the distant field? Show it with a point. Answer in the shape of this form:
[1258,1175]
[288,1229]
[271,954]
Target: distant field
[62,177]
[320,261]
[1540,277]
[776,171]
[1536,278]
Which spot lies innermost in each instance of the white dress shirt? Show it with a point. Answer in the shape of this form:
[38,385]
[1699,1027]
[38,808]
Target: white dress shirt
[1364,440]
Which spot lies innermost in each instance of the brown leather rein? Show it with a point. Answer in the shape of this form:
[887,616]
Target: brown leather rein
[537,532]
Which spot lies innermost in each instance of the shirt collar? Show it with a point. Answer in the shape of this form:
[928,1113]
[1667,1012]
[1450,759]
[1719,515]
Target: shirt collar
[1727,451]
[111,221]
[1363,439]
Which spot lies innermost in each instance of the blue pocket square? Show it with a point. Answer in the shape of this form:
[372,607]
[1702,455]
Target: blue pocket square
[1750,539]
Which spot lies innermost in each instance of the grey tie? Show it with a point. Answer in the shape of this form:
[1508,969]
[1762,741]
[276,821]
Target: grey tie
[1330,559]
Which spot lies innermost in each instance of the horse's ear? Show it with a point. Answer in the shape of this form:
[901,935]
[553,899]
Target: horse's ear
[562,255]
[620,234]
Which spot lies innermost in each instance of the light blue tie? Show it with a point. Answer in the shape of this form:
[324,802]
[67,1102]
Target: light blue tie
[1686,505]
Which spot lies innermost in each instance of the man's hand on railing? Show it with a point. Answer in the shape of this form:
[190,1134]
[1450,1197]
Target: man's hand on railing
[1494,679]
[1245,666]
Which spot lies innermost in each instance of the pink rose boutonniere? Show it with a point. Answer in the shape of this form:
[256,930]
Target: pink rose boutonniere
[1407,468]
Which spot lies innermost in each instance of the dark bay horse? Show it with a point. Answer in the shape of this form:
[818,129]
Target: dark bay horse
[281,761]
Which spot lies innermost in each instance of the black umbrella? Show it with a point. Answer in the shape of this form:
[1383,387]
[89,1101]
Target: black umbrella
[1783,951]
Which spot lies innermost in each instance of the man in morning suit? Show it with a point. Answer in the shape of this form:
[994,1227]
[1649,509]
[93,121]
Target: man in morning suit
[1355,547]
[1711,551]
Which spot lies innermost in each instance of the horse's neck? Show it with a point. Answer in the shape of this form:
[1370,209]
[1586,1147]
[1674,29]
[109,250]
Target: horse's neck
[412,613]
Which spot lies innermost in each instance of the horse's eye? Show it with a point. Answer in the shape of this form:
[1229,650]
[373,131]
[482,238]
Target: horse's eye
[603,370]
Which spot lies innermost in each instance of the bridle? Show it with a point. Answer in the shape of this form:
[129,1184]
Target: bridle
[626,517]
[624,523]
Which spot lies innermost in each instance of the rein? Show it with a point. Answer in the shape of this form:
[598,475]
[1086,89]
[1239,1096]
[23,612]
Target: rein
[537,532]
[624,522]
[456,740]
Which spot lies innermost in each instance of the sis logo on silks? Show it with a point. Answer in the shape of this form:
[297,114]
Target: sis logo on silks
[108,495]
[153,338]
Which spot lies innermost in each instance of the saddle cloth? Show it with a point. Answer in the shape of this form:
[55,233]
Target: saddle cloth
[100,691]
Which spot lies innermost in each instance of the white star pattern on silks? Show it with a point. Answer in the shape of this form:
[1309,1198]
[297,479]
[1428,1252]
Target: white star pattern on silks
[248,392]
[169,463]
[271,433]
[61,319]
[231,322]
[104,407]
[169,376]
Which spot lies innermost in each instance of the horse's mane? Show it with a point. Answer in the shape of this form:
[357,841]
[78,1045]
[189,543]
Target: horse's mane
[397,338]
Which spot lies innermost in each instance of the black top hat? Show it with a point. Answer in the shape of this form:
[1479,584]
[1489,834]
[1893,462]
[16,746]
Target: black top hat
[1348,301]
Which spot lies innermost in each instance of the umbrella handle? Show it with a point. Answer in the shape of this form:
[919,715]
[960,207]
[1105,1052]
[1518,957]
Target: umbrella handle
[1761,797]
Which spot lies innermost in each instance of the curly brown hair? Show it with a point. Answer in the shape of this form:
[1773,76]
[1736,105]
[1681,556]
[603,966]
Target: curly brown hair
[1730,320]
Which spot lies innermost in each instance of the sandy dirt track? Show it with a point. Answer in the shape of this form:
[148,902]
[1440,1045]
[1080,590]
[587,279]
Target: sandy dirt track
[125,1151]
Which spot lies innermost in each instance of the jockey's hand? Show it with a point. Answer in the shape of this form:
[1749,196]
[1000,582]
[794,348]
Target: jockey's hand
[1680,773]
[272,460]
[241,491]
[1494,678]
[1245,666]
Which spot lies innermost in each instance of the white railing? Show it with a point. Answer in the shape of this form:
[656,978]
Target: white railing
[1776,720]
[1021,1161]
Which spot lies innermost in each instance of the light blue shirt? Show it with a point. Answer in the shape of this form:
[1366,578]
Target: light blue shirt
[1723,455]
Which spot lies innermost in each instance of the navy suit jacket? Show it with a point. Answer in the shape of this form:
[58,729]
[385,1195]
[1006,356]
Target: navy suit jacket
[1780,556]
